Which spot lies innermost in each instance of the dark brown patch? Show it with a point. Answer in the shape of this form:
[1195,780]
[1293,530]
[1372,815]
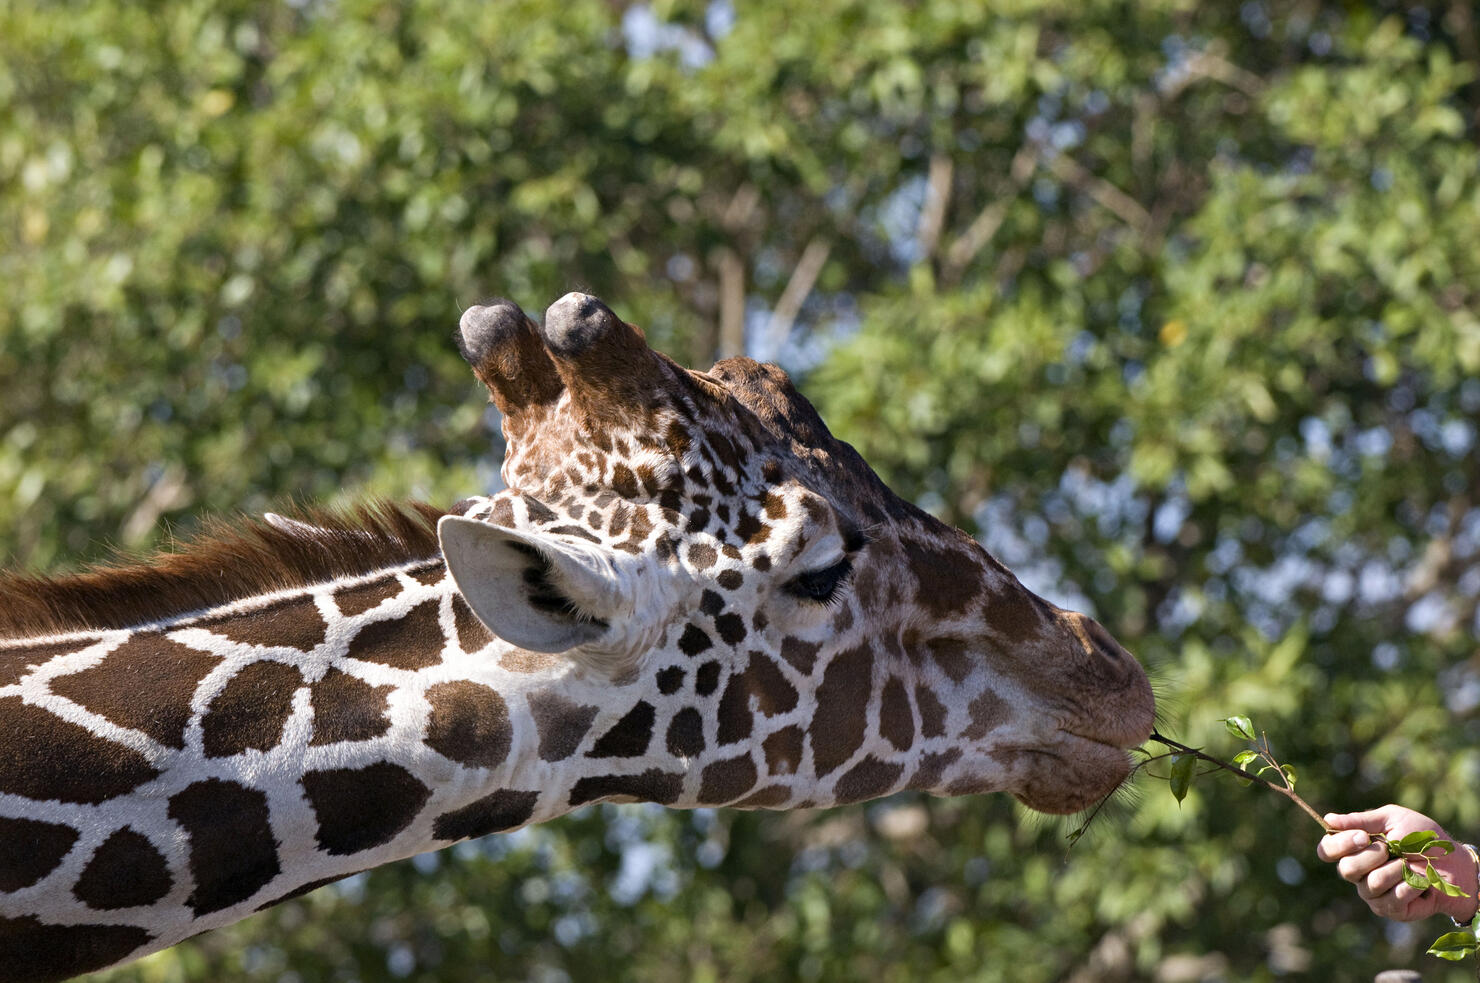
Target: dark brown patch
[221,566]
[730,579]
[932,767]
[30,849]
[469,724]
[126,871]
[670,680]
[896,722]
[761,563]
[151,664]
[711,603]
[17,662]
[735,721]
[628,737]
[502,513]
[784,751]
[706,680]
[947,580]
[251,711]
[726,780]
[233,854]
[653,785]
[360,808]
[46,758]
[686,733]
[33,952]
[775,506]
[624,482]
[951,654]
[770,797]
[560,722]
[494,813]
[868,779]
[842,700]
[346,708]
[294,623]
[731,628]
[774,694]
[988,712]
[801,655]
[413,641]
[357,600]
[472,634]
[843,620]
[747,526]
[618,522]
[693,641]
[702,556]
[430,576]
[932,713]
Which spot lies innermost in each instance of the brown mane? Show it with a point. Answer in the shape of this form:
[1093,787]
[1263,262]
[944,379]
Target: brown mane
[224,563]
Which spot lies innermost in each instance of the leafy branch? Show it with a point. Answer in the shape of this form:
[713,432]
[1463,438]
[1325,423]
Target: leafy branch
[1417,849]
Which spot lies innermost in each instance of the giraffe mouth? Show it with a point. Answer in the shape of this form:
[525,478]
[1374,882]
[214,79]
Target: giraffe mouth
[1072,775]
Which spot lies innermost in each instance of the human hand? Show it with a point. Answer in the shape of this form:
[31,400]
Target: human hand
[1379,877]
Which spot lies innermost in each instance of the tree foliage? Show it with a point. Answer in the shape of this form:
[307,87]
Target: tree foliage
[1173,304]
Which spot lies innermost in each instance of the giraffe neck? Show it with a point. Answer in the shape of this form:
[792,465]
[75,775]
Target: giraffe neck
[159,781]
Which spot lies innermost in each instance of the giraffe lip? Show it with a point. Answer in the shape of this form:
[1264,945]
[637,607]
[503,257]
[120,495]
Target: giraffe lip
[1071,775]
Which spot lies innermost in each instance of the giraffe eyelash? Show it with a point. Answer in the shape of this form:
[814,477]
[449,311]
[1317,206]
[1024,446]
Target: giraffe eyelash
[825,586]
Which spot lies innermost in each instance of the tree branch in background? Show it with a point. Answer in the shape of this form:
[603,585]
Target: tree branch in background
[982,228]
[798,289]
[1107,195]
[937,197]
[731,302]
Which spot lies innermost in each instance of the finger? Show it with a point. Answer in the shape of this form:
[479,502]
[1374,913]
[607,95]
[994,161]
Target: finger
[1382,880]
[1334,846]
[1373,820]
[1359,867]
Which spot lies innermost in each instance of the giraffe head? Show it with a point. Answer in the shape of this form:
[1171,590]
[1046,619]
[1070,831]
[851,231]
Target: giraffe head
[799,635]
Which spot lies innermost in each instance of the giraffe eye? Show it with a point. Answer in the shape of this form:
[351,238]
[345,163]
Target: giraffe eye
[823,586]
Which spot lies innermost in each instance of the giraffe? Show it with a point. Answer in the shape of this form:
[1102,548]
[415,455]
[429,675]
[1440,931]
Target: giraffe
[689,593]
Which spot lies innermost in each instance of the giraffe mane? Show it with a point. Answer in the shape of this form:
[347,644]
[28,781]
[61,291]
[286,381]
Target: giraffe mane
[225,562]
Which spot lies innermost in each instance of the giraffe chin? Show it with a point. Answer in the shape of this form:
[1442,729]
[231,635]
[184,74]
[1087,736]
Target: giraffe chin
[1070,777]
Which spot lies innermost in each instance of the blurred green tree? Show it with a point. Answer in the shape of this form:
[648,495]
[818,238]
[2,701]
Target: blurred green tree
[1173,304]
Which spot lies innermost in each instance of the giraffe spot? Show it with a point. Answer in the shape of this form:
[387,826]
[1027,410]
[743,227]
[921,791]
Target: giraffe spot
[694,641]
[525,661]
[842,700]
[734,711]
[711,603]
[843,620]
[412,641]
[868,779]
[759,621]
[346,708]
[761,563]
[431,575]
[783,751]
[750,529]
[624,482]
[576,531]
[802,656]
[361,598]
[628,737]
[126,871]
[251,712]
[30,849]
[731,628]
[537,510]
[726,780]
[233,854]
[947,580]
[502,513]
[16,663]
[932,768]
[470,724]
[896,722]
[988,712]
[653,785]
[951,655]
[149,663]
[360,808]
[294,623]
[702,556]
[670,680]
[932,713]
[763,680]
[561,723]
[686,733]
[706,680]
[770,797]
[35,952]
[730,579]
[618,522]
[45,758]
[494,813]
[775,506]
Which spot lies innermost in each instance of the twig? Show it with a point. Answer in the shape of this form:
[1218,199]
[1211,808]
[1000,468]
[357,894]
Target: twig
[1286,791]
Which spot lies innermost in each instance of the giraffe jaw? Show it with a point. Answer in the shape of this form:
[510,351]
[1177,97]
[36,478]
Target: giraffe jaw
[1073,774]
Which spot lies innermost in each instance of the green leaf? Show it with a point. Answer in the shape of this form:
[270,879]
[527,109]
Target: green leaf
[1182,771]
[1244,757]
[1416,842]
[1240,726]
[1416,879]
[1453,946]
[1289,773]
[1435,879]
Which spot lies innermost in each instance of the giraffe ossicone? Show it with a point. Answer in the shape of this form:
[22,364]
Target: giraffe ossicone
[690,593]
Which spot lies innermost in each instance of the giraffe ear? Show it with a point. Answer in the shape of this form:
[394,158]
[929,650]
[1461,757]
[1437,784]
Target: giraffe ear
[539,592]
